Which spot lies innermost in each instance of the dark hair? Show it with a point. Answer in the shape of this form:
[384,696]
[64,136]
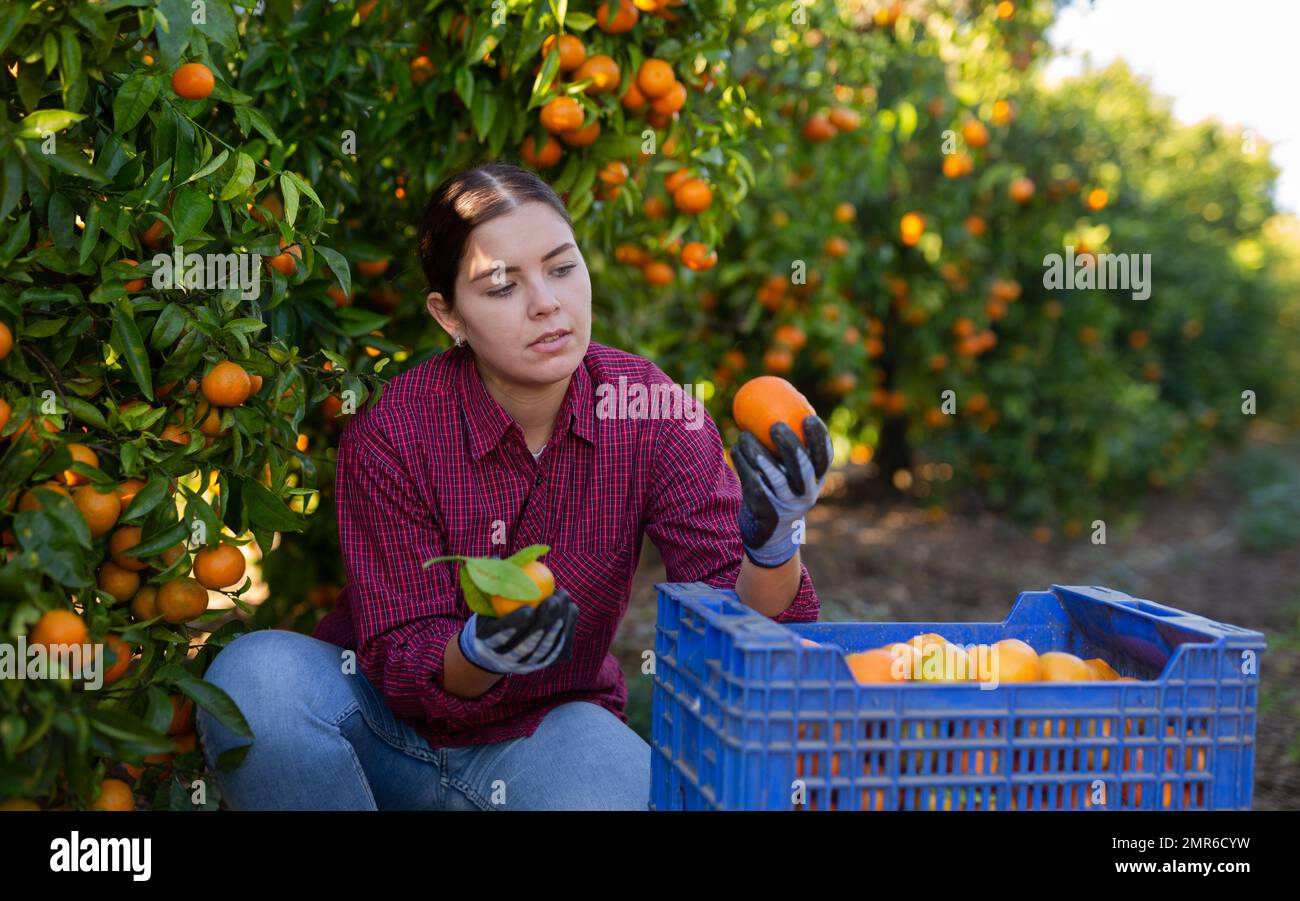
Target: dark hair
[465,200]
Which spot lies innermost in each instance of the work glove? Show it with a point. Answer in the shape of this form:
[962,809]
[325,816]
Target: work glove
[523,641]
[778,490]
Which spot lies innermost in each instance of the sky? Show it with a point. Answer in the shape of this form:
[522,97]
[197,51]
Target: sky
[1235,61]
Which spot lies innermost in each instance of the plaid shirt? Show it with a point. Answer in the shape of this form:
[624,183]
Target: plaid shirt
[438,467]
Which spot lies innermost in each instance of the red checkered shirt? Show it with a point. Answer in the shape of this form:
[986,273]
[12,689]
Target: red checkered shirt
[438,467]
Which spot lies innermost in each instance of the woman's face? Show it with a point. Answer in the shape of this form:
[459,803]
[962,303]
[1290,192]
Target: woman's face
[521,280]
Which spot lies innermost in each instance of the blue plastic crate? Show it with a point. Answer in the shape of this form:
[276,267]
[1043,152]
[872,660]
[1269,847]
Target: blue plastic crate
[747,718]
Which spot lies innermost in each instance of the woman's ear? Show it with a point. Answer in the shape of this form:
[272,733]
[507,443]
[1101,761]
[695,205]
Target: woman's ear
[439,310]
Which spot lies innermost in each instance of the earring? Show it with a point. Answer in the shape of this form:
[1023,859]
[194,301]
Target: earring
[460,339]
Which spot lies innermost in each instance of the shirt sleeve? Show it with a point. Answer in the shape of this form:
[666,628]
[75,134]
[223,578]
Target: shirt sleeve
[692,512]
[404,614]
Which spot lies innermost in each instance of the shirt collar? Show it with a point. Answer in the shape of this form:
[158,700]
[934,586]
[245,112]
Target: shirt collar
[488,422]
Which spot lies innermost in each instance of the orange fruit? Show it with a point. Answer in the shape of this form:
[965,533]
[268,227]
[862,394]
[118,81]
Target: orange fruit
[910,228]
[561,114]
[1101,670]
[80,454]
[766,400]
[5,409]
[938,362]
[696,256]
[6,340]
[955,165]
[549,156]
[182,716]
[657,273]
[193,81]
[633,100]
[422,69]
[32,501]
[1012,660]
[542,578]
[145,603]
[603,72]
[655,208]
[818,128]
[975,225]
[1138,339]
[616,16]
[845,212]
[121,583]
[1097,199]
[19,804]
[1003,113]
[1021,189]
[871,667]
[227,385]
[572,51]
[693,196]
[114,794]
[909,658]
[59,627]
[121,652]
[181,600]
[974,133]
[123,538]
[778,360]
[128,490]
[582,137]
[373,267]
[614,172]
[836,247]
[844,119]
[175,434]
[219,567]
[1061,667]
[671,101]
[135,284]
[153,237]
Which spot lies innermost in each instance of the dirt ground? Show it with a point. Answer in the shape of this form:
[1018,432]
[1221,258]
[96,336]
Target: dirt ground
[876,558]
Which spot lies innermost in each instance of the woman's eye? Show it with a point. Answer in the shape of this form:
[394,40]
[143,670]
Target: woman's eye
[503,291]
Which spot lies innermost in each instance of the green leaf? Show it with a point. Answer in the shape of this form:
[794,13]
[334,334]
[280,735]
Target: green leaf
[12,17]
[46,121]
[338,265]
[146,499]
[133,99]
[210,697]
[191,212]
[72,161]
[290,192]
[167,328]
[305,188]
[212,166]
[475,599]
[242,179]
[90,234]
[528,554]
[69,58]
[11,177]
[86,412]
[267,511]
[500,577]
[132,346]
[173,29]
[165,540]
[121,726]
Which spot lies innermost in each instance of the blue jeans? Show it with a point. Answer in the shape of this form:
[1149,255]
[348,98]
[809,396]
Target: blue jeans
[325,740]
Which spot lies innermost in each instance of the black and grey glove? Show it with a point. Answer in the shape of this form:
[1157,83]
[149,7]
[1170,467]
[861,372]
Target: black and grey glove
[523,641]
[777,493]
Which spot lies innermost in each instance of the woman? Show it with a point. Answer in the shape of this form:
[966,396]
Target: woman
[401,699]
